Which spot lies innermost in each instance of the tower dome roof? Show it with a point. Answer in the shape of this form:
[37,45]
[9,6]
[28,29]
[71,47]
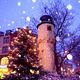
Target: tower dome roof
[45,19]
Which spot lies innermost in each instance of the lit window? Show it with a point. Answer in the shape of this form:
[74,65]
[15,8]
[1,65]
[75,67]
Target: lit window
[4,49]
[6,40]
[49,28]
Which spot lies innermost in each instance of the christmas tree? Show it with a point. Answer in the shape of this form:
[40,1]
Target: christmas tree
[23,56]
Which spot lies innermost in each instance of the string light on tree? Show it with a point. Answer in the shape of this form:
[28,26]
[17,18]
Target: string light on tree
[22,54]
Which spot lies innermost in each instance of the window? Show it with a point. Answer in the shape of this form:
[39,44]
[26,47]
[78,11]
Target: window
[42,50]
[6,40]
[49,28]
[4,49]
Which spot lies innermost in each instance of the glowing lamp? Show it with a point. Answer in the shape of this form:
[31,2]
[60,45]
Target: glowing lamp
[4,61]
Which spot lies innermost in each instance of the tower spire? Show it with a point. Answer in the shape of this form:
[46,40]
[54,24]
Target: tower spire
[45,19]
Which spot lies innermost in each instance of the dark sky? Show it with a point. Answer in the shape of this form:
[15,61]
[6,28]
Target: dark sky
[17,13]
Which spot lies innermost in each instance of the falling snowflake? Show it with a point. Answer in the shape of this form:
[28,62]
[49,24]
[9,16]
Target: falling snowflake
[56,12]
[9,24]
[0,26]
[68,34]
[34,1]
[32,7]
[79,1]
[12,22]
[28,19]
[24,27]
[70,21]
[19,3]
[69,56]
[57,38]
[69,7]
[16,29]
[23,11]
[70,13]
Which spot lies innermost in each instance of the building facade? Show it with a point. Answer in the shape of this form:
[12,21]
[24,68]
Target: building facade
[5,40]
[4,45]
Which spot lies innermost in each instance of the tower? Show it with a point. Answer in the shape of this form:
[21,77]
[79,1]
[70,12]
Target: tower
[46,42]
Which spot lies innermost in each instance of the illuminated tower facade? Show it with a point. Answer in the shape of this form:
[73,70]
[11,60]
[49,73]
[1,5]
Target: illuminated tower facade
[46,42]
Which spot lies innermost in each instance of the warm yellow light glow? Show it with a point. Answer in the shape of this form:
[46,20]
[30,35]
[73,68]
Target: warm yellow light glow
[1,76]
[68,69]
[4,71]
[28,35]
[61,69]
[34,49]
[15,66]
[35,53]
[30,31]
[72,70]
[35,44]
[9,48]
[4,61]
[34,38]
[37,72]
[32,71]
[13,72]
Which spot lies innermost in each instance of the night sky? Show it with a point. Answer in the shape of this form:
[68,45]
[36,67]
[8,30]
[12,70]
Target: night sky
[18,13]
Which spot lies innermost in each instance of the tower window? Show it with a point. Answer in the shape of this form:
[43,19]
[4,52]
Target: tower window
[49,28]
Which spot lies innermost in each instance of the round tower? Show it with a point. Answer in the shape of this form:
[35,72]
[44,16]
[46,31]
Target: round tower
[46,42]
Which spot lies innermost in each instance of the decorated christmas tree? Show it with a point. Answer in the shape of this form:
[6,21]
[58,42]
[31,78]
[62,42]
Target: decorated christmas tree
[23,56]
